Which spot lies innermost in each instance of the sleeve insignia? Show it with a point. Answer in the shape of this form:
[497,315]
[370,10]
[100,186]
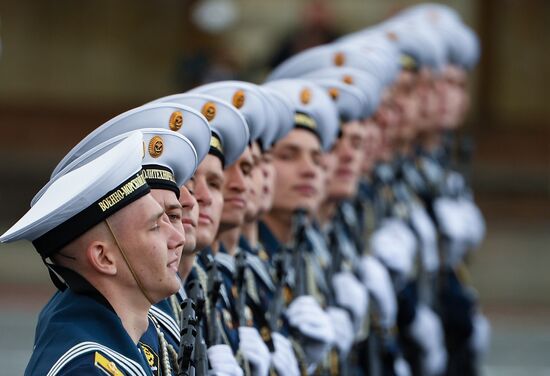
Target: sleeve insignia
[152,358]
[106,365]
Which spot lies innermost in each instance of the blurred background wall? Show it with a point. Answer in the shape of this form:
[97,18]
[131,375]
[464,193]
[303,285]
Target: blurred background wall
[67,66]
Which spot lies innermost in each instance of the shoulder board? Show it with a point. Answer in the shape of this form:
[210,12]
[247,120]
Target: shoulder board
[129,366]
[166,321]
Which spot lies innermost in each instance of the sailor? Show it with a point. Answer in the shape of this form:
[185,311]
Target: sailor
[169,163]
[297,159]
[230,136]
[96,228]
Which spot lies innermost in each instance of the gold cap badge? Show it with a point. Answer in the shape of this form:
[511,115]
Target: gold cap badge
[238,99]
[156,146]
[348,80]
[339,59]
[209,111]
[176,120]
[334,93]
[305,96]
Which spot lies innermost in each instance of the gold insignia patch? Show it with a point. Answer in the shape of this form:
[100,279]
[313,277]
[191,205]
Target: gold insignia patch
[152,358]
[334,93]
[287,295]
[209,111]
[176,120]
[265,333]
[227,319]
[238,99]
[339,59]
[106,365]
[156,146]
[348,80]
[263,255]
[305,96]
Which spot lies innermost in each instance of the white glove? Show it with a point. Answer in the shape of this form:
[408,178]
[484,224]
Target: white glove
[223,362]
[401,367]
[481,335]
[474,222]
[454,224]
[428,237]
[305,314]
[377,280]
[351,294]
[343,329]
[283,359]
[395,245]
[254,350]
[427,331]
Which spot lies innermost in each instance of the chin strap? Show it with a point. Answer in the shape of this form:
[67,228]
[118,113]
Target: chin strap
[128,264]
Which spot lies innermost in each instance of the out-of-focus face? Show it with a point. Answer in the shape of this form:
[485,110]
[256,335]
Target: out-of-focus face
[409,104]
[254,193]
[297,161]
[452,89]
[387,117]
[329,162]
[237,182]
[371,146]
[207,185]
[190,216]
[430,108]
[349,155]
[152,243]
[268,182]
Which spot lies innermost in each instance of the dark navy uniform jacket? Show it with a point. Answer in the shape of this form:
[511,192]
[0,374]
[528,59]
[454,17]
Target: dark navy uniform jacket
[81,334]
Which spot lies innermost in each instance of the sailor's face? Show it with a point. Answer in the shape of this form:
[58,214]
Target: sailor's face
[208,184]
[297,161]
[237,182]
[268,182]
[190,216]
[454,96]
[254,192]
[349,153]
[152,242]
[371,146]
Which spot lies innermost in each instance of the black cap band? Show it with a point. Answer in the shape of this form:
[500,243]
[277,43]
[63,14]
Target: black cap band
[160,177]
[305,121]
[130,190]
[216,148]
[408,62]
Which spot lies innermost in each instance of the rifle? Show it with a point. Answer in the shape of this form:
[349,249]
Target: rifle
[281,263]
[188,334]
[213,291]
[299,222]
[240,284]
[335,264]
[200,360]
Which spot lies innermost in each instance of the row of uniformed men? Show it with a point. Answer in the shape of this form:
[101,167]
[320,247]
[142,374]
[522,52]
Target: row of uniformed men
[312,224]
